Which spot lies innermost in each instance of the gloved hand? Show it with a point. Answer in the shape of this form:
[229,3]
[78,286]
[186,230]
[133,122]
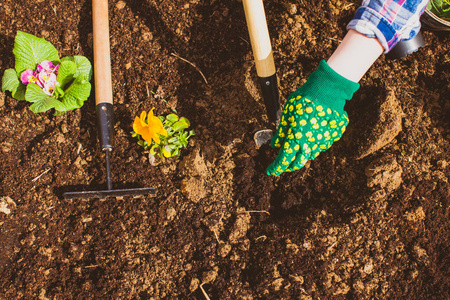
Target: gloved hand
[313,118]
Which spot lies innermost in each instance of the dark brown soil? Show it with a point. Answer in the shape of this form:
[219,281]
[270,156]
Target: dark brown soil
[366,219]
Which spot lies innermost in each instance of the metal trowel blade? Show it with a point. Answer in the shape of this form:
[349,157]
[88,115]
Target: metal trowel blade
[263,137]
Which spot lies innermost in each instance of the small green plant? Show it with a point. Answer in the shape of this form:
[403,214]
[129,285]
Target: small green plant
[163,137]
[440,8]
[42,78]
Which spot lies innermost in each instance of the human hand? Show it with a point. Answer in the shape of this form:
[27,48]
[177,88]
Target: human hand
[313,119]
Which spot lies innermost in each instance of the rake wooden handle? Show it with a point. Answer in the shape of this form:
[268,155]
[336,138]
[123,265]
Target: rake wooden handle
[259,37]
[102,57]
[102,76]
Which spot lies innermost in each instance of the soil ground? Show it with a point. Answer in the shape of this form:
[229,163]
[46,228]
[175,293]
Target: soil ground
[368,219]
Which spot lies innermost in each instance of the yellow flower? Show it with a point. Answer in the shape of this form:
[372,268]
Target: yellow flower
[148,127]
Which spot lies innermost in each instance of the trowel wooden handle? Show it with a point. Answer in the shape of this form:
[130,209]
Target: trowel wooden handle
[263,55]
[102,58]
[259,37]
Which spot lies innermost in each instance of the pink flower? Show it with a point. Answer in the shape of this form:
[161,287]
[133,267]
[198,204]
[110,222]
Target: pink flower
[47,66]
[44,77]
[28,76]
[47,78]
[49,88]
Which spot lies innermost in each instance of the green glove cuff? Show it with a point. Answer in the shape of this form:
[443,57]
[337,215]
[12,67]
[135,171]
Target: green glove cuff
[328,88]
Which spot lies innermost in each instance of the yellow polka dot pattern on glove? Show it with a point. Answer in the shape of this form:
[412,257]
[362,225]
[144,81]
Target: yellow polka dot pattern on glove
[305,130]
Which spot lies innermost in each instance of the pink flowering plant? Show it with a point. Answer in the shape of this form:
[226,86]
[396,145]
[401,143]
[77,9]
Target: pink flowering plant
[42,78]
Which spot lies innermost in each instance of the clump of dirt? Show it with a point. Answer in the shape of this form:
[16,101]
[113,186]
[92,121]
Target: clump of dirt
[380,125]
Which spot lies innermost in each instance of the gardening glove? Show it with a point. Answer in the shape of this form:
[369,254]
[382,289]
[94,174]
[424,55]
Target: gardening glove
[313,118]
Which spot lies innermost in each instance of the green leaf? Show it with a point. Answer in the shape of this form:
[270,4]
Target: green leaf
[11,82]
[76,94]
[177,152]
[41,101]
[29,51]
[172,140]
[440,8]
[172,118]
[186,121]
[59,92]
[83,66]
[180,125]
[19,94]
[154,149]
[66,72]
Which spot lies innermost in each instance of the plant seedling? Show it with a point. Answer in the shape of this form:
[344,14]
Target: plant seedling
[440,8]
[163,137]
[42,78]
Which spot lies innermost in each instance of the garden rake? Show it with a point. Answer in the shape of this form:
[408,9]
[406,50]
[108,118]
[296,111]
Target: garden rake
[104,104]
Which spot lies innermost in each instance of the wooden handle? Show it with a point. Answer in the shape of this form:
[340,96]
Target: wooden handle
[102,58]
[259,37]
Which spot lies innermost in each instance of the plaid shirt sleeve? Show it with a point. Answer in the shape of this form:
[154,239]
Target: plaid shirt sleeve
[390,21]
